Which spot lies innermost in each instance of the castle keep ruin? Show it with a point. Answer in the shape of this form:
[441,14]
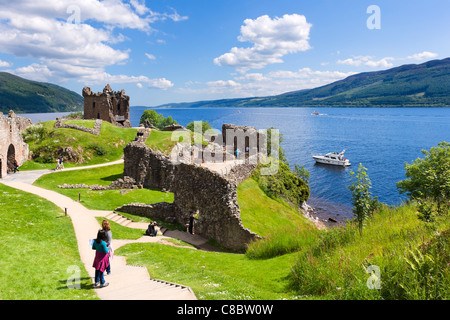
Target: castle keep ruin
[208,189]
[109,105]
[12,146]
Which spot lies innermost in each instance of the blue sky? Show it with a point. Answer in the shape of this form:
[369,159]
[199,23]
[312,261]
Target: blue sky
[165,51]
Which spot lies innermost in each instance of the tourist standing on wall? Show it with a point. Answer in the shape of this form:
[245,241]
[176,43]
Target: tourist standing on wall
[101,260]
[107,228]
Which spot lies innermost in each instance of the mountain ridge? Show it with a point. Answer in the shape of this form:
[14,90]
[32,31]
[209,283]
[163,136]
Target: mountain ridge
[28,96]
[409,85]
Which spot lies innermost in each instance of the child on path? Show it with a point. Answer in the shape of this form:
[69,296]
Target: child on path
[101,260]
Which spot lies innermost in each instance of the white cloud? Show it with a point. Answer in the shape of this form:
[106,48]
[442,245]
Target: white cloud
[139,6]
[82,50]
[272,83]
[150,56]
[271,38]
[34,72]
[5,64]
[101,78]
[423,55]
[368,61]
[139,85]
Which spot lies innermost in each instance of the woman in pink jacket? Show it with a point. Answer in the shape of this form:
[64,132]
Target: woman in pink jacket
[101,261]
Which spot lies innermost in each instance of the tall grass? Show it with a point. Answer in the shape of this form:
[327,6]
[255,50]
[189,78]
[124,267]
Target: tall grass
[282,241]
[394,241]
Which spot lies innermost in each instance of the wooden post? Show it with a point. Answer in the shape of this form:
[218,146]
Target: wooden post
[65,211]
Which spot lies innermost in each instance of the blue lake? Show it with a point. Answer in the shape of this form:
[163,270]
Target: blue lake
[381,139]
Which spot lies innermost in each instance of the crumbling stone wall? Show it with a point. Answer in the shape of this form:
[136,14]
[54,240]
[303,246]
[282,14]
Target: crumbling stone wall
[12,146]
[109,105]
[96,130]
[150,169]
[248,140]
[196,190]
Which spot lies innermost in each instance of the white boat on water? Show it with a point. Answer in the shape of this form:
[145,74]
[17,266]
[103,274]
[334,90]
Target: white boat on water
[333,158]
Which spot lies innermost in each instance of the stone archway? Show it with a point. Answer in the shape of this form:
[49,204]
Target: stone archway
[11,158]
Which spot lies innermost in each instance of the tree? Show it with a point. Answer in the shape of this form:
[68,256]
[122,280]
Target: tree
[156,119]
[363,203]
[205,126]
[302,173]
[281,154]
[429,178]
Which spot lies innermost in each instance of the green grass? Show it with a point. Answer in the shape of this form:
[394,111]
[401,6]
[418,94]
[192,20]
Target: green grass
[82,123]
[212,275]
[263,214]
[38,245]
[46,142]
[283,227]
[162,140]
[99,200]
[121,232]
[335,265]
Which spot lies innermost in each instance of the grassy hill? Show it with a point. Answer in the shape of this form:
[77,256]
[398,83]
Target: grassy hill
[26,96]
[293,261]
[413,85]
[47,143]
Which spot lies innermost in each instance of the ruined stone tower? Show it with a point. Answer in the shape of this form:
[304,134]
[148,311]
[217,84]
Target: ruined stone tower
[12,146]
[109,105]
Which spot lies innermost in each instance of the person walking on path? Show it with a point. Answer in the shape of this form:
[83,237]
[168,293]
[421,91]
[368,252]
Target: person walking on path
[107,228]
[61,162]
[16,166]
[101,260]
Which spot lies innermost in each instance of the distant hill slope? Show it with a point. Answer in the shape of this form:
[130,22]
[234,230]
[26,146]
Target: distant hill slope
[26,96]
[414,85]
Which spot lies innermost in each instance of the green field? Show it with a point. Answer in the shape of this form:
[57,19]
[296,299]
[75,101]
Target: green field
[38,250]
[99,200]
[46,143]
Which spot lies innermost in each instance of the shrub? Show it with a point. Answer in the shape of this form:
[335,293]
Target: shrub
[98,149]
[429,178]
[284,184]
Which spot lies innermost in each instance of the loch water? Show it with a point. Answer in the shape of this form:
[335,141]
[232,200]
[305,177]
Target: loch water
[381,139]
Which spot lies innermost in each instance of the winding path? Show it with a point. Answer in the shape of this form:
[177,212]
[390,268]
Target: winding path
[126,282]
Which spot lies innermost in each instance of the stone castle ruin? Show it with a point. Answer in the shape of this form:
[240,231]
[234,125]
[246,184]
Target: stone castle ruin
[109,105]
[208,189]
[12,146]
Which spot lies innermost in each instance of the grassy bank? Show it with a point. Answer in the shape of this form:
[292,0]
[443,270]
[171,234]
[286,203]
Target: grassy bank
[212,275]
[409,257]
[46,143]
[283,227]
[38,246]
[99,200]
